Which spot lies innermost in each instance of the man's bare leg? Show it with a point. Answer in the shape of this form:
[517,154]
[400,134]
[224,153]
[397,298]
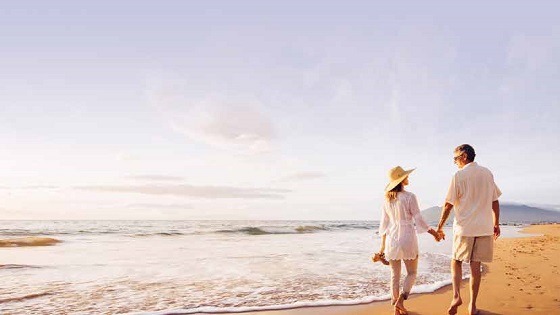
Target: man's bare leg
[474,286]
[457,276]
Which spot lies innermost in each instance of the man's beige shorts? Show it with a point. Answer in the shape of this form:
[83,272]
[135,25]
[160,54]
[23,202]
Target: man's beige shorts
[473,248]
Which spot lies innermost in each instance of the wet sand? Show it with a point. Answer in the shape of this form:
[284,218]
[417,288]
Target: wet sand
[524,278]
[28,241]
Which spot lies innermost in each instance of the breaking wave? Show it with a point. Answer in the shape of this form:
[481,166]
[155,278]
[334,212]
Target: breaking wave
[251,230]
[157,234]
[16,266]
[31,234]
[309,228]
[254,230]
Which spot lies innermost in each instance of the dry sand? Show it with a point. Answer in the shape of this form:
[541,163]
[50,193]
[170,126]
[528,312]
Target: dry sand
[523,279]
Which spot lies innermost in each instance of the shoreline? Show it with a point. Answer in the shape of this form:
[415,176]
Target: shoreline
[508,283]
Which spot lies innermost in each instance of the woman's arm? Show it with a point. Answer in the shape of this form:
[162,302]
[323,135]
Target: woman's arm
[383,223]
[421,225]
[382,249]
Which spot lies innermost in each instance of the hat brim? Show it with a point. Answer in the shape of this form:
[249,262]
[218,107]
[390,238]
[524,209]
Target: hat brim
[395,182]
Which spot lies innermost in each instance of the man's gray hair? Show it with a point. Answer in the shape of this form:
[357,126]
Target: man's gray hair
[468,150]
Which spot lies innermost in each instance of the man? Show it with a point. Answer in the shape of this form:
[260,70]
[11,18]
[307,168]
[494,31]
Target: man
[473,195]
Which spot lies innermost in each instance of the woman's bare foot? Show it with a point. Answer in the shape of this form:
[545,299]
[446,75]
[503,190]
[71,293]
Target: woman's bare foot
[454,305]
[399,305]
[400,310]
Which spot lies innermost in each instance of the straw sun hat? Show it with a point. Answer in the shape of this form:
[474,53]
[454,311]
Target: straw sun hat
[397,175]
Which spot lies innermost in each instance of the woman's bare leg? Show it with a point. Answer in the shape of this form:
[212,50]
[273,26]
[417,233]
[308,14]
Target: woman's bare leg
[395,277]
[411,270]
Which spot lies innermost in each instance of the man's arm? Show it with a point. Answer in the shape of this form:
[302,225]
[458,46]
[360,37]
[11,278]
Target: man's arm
[446,210]
[496,212]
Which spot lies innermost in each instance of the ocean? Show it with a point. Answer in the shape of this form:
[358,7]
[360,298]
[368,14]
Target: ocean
[187,267]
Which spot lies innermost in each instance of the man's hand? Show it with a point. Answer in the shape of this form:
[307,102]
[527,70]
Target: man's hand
[441,234]
[496,232]
[496,214]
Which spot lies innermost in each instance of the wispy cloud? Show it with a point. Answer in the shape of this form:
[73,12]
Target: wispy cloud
[211,192]
[302,176]
[156,178]
[31,187]
[531,52]
[159,206]
[531,63]
[530,76]
[125,157]
[229,122]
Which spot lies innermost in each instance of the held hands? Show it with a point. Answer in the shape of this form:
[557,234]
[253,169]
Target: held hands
[441,234]
[438,236]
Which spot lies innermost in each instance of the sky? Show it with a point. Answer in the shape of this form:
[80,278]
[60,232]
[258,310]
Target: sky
[253,110]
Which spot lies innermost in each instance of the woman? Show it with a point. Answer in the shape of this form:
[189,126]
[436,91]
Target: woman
[400,212]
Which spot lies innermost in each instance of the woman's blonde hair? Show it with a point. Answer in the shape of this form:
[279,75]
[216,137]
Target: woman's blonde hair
[391,195]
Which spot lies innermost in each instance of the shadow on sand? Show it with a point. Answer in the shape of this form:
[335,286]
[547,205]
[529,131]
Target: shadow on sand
[482,312]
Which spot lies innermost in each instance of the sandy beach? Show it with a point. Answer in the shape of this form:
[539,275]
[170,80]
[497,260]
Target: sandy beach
[524,278]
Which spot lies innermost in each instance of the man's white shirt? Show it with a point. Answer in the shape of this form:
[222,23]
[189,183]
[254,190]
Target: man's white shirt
[471,192]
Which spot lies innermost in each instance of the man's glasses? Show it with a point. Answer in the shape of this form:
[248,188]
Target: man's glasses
[455,158]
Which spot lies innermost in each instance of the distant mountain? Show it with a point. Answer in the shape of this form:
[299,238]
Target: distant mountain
[509,213]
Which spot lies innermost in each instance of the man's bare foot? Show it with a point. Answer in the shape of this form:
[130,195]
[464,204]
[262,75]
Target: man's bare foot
[473,310]
[454,305]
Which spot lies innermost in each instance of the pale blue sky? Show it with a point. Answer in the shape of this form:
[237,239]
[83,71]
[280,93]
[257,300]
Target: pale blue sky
[269,110]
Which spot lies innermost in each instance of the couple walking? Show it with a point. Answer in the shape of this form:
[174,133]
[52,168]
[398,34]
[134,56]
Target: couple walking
[473,195]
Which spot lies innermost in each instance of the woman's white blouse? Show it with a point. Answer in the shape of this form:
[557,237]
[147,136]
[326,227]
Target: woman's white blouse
[397,221]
